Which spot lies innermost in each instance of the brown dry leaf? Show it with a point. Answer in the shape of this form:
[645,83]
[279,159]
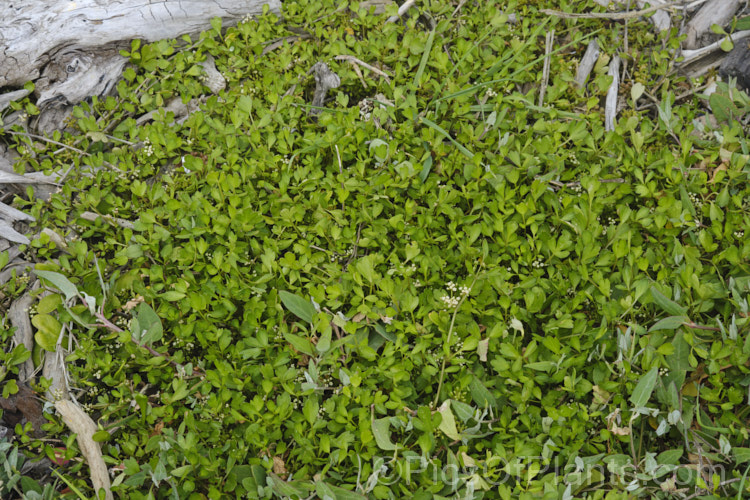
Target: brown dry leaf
[722,166]
[158,428]
[304,360]
[278,466]
[24,405]
[130,305]
[482,348]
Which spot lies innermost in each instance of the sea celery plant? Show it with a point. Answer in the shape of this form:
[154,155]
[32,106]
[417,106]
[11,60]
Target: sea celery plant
[459,293]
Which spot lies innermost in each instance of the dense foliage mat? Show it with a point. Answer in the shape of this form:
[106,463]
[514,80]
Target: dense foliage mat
[434,287]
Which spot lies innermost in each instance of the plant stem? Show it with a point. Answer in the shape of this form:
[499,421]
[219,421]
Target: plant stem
[450,334]
[445,358]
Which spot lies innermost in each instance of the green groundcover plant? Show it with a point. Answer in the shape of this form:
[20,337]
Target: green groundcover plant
[433,286]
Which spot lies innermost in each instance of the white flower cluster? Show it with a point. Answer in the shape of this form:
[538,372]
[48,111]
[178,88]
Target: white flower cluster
[491,93]
[739,234]
[365,110]
[148,148]
[451,301]
[538,264]
[696,200]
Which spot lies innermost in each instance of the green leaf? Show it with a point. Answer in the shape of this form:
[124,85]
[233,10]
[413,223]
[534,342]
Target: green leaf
[101,436]
[644,388]
[670,457]
[384,333]
[743,23]
[180,388]
[670,323]
[342,494]
[146,326]
[669,306]
[172,296]
[542,366]
[440,130]
[463,411]
[310,410]
[366,267]
[18,355]
[48,331]
[382,432]
[60,282]
[423,61]
[324,491]
[288,489]
[324,342]
[301,344]
[741,455]
[298,306]
[426,167]
[49,303]
[480,394]
[448,422]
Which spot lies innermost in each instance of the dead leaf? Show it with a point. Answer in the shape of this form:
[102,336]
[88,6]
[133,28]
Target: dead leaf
[359,317]
[23,405]
[482,348]
[158,428]
[619,431]
[278,466]
[722,167]
[132,303]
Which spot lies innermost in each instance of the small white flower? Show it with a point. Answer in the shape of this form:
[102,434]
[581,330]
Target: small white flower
[386,319]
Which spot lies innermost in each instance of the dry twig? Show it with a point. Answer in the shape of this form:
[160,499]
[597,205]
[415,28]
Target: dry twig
[613,15]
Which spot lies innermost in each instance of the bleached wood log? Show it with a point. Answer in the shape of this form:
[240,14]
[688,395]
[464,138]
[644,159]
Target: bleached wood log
[610,109]
[80,423]
[587,63]
[713,12]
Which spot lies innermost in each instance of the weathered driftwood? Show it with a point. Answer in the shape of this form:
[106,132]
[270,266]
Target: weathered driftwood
[115,221]
[587,63]
[9,233]
[325,80]
[19,318]
[689,56]
[713,12]
[737,65]
[81,424]
[610,110]
[56,371]
[549,41]
[8,97]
